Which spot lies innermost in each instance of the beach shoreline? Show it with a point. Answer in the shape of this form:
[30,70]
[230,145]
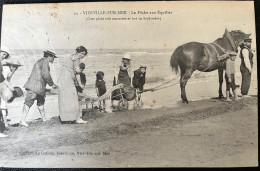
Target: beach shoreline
[195,128]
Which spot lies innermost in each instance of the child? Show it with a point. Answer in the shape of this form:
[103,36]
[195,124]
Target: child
[101,89]
[139,80]
[230,77]
[80,78]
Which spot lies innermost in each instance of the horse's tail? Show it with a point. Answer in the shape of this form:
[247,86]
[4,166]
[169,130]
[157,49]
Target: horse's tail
[175,59]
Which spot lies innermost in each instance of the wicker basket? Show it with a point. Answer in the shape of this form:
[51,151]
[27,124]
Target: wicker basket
[129,93]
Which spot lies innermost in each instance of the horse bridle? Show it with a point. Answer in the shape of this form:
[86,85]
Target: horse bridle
[233,44]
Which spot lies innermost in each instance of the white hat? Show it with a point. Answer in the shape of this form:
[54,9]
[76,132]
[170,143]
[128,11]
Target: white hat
[6,49]
[126,56]
[14,62]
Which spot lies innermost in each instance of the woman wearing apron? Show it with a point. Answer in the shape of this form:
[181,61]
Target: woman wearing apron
[69,108]
[122,75]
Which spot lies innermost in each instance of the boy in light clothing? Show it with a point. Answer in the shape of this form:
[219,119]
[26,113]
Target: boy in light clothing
[230,77]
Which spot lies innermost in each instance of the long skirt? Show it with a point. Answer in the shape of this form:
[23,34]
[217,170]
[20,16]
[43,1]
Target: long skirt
[68,98]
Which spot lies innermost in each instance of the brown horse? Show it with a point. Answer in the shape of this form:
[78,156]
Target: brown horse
[205,57]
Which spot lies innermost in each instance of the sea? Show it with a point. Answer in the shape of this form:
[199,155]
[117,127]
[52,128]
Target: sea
[202,86]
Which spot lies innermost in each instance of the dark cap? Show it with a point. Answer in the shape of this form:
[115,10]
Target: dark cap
[49,53]
[248,40]
[18,92]
[100,73]
[143,66]
[82,66]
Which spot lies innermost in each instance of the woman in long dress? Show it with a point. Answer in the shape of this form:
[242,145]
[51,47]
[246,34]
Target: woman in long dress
[69,108]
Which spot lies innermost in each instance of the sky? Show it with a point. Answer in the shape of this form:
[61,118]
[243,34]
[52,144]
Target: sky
[55,26]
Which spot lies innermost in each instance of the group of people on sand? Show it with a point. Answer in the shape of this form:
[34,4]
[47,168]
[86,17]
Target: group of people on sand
[71,85]
[246,55]
[72,82]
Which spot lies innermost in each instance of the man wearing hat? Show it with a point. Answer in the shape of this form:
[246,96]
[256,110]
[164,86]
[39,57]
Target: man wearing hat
[36,85]
[246,65]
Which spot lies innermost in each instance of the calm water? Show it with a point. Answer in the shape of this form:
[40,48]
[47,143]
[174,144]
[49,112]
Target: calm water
[159,71]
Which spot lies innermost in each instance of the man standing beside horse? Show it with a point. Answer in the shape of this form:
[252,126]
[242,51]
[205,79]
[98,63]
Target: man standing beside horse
[246,66]
[206,57]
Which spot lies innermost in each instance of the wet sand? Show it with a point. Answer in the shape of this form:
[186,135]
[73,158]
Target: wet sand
[203,133]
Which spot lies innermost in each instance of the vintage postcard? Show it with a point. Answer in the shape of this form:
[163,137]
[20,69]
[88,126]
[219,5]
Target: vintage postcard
[129,84]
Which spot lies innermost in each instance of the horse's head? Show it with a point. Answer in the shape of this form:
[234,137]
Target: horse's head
[239,36]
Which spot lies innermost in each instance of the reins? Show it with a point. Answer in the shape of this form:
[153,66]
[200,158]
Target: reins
[162,86]
[156,88]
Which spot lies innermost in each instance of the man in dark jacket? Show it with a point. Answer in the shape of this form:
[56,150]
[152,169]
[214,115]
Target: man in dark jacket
[36,85]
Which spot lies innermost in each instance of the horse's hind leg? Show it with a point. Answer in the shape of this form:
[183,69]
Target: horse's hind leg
[181,86]
[220,78]
[184,79]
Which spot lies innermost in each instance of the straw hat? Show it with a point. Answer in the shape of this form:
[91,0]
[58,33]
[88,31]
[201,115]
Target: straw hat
[49,53]
[12,62]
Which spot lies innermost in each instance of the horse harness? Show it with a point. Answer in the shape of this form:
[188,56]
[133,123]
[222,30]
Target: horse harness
[230,40]
[212,45]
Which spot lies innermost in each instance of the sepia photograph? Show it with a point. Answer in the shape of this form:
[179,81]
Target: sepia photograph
[129,84]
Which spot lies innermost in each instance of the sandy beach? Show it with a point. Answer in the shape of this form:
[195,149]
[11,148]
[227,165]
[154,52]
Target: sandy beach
[203,133]
[163,131]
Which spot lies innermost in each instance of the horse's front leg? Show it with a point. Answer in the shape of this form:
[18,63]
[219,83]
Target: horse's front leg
[220,78]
